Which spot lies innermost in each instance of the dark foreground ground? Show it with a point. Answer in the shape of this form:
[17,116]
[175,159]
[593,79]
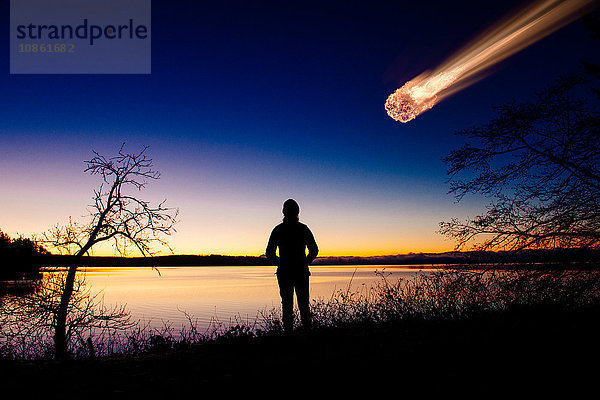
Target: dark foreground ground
[536,353]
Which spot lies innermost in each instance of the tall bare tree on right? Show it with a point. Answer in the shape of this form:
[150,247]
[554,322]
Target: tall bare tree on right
[539,164]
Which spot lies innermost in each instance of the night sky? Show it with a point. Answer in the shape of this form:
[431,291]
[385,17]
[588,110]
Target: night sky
[251,102]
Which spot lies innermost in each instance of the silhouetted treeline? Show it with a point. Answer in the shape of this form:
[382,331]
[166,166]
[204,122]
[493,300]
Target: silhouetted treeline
[165,261]
[19,257]
[397,259]
[561,258]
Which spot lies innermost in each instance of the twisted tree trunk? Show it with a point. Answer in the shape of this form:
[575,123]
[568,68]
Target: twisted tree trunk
[60,330]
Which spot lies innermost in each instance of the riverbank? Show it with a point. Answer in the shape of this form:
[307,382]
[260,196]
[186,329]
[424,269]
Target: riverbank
[531,351]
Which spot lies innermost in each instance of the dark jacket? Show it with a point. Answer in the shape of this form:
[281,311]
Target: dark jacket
[292,238]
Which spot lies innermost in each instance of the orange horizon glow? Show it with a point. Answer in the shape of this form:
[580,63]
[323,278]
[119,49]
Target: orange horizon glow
[106,252]
[232,219]
[410,238]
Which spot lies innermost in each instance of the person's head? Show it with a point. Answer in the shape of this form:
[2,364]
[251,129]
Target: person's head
[291,209]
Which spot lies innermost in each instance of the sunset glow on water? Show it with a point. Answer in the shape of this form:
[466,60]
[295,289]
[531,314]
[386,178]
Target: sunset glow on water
[219,294]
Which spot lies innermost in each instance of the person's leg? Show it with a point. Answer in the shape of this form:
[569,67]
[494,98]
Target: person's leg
[303,295]
[286,291]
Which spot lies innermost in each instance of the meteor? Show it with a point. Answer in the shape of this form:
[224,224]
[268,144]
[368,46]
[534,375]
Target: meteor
[468,64]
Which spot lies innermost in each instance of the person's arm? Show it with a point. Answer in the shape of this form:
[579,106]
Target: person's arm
[272,247]
[311,244]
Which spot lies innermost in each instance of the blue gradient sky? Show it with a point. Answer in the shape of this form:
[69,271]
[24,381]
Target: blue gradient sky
[250,103]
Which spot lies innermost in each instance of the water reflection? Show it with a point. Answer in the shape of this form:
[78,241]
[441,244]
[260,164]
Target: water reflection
[222,294]
[28,317]
[18,287]
[109,301]
[196,297]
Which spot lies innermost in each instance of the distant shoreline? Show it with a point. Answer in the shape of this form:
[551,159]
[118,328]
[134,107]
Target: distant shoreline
[436,260]
[223,260]
[350,266]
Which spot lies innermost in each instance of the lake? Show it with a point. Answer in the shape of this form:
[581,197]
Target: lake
[223,294]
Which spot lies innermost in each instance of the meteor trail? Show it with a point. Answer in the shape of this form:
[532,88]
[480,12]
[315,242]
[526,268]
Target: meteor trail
[466,65]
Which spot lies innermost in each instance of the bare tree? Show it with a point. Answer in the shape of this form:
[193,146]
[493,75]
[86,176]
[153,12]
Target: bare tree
[539,163]
[117,215]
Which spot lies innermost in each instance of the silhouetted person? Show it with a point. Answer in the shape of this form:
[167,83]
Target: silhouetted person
[292,238]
